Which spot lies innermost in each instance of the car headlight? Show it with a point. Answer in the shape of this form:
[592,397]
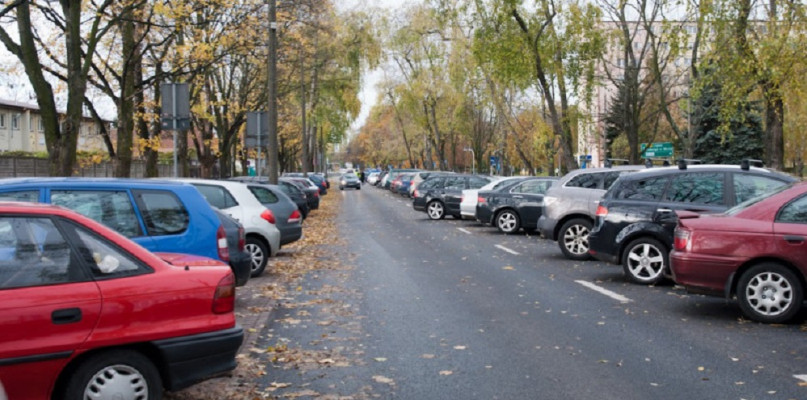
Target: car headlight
[344,181]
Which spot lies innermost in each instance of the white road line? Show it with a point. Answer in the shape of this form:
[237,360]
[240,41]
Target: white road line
[802,378]
[463,230]
[500,247]
[613,295]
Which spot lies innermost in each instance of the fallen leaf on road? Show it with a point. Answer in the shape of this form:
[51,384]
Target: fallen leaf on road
[508,268]
[445,373]
[383,379]
[427,356]
[326,361]
[459,347]
[701,368]
[380,359]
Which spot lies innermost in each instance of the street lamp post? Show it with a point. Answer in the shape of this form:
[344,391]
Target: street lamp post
[473,159]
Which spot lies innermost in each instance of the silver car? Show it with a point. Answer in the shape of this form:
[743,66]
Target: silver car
[570,206]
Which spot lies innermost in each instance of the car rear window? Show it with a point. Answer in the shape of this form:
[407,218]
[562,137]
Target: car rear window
[264,195]
[216,196]
[112,208]
[163,213]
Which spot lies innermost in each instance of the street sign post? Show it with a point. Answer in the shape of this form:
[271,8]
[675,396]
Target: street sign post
[257,133]
[175,111]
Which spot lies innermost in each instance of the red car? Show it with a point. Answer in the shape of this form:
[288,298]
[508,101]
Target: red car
[87,313]
[756,251]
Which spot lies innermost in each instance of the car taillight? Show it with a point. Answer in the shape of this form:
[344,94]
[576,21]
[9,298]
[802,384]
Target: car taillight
[295,217]
[681,239]
[242,238]
[224,297]
[415,193]
[481,200]
[221,243]
[268,216]
[602,211]
[316,194]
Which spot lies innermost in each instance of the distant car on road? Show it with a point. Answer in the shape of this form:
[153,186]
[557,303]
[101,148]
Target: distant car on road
[349,181]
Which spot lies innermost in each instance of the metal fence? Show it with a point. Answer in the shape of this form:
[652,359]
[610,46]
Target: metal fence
[13,167]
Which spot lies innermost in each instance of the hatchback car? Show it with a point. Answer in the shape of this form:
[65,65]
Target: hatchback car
[349,181]
[514,206]
[754,251]
[87,313]
[570,207]
[636,218]
[240,260]
[288,219]
[440,195]
[159,215]
[309,188]
[291,190]
[237,201]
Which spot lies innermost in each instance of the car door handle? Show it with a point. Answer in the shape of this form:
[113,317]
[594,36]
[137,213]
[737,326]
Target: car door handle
[66,316]
[794,239]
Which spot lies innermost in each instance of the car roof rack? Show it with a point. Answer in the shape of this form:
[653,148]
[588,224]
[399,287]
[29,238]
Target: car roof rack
[648,162]
[609,162]
[683,162]
[747,163]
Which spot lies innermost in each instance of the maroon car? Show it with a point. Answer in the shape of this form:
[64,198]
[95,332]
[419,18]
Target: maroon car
[755,251]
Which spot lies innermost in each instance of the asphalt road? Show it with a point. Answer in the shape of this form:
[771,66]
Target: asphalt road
[455,310]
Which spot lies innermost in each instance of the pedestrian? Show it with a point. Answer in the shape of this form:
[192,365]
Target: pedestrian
[361,177]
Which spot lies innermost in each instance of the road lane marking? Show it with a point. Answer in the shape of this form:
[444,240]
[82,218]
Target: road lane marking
[802,378]
[463,230]
[513,252]
[602,290]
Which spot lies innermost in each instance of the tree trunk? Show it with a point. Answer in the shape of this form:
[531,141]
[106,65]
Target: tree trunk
[774,129]
[126,104]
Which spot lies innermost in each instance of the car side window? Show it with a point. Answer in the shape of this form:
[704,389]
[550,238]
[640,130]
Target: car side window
[163,213]
[697,188]
[794,212]
[105,260]
[431,183]
[476,182]
[30,196]
[33,252]
[455,183]
[610,178]
[216,196]
[585,181]
[748,186]
[264,195]
[112,208]
[641,189]
[532,187]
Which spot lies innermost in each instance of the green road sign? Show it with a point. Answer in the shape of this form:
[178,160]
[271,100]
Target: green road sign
[661,149]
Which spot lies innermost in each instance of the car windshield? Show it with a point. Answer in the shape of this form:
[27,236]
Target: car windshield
[754,200]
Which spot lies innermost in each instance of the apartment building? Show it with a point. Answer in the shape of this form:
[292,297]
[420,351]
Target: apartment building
[21,129]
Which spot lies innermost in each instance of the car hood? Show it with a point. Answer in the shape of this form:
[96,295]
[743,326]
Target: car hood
[183,260]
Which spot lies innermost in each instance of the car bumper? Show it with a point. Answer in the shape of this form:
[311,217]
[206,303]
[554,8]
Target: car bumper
[705,274]
[241,263]
[546,226]
[190,359]
[602,251]
[290,234]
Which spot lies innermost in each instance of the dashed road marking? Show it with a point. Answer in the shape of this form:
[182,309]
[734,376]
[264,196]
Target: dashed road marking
[602,290]
[463,230]
[802,378]
[500,247]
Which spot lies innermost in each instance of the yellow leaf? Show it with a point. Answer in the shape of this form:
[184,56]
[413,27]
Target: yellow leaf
[701,368]
[459,347]
[508,268]
[380,359]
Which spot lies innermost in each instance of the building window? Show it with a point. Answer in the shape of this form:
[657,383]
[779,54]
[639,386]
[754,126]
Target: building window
[2,120]
[15,121]
[41,125]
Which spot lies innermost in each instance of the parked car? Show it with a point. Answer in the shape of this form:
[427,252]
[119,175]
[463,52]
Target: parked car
[240,260]
[159,215]
[316,180]
[372,178]
[311,191]
[393,173]
[405,184]
[636,217]
[471,196]
[236,200]
[421,176]
[381,177]
[754,252]
[349,181]
[90,314]
[291,190]
[570,207]
[324,179]
[288,219]
[515,206]
[440,195]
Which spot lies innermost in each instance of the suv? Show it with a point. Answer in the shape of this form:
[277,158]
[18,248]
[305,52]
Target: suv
[636,217]
[569,207]
[164,216]
[441,194]
[87,313]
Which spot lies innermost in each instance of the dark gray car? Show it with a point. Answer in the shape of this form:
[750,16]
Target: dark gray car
[288,219]
[240,260]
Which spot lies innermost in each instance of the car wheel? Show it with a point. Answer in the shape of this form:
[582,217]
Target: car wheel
[645,261]
[507,221]
[259,253]
[573,239]
[358,187]
[123,374]
[341,188]
[769,293]
[435,210]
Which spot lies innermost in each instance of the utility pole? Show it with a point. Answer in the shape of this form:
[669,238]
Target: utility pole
[271,91]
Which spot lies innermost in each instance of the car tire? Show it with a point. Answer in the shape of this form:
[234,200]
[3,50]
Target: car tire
[341,188]
[573,239]
[259,254]
[105,375]
[770,293]
[508,221]
[645,260]
[358,187]
[435,210]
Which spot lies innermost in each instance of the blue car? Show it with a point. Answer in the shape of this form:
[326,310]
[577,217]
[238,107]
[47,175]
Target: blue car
[161,216]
